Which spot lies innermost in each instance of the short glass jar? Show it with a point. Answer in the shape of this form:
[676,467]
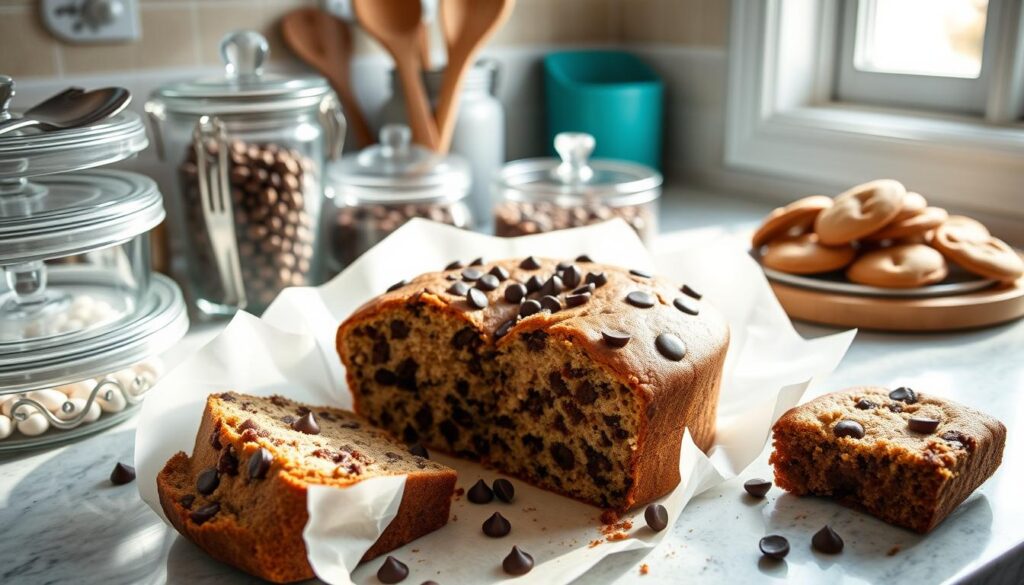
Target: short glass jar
[247,151]
[374,192]
[545,194]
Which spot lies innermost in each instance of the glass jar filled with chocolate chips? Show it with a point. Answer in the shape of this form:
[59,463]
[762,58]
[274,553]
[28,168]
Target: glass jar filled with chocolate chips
[247,151]
[546,194]
[374,192]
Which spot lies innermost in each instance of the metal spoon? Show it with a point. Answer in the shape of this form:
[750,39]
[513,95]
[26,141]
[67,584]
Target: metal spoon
[72,108]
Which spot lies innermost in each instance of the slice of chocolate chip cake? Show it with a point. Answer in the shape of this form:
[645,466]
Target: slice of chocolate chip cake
[241,496]
[576,376]
[903,456]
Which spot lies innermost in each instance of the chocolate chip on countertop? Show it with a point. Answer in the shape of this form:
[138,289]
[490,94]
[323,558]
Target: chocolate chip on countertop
[577,299]
[419,451]
[865,404]
[598,279]
[504,490]
[686,290]
[923,424]
[455,265]
[517,562]
[616,338]
[640,299]
[657,517]
[827,541]
[774,546]
[530,263]
[686,305]
[757,487]
[471,274]
[670,346]
[392,571]
[551,303]
[641,273]
[499,272]
[458,289]
[207,481]
[259,463]
[398,285]
[204,514]
[848,428]
[122,474]
[488,282]
[497,526]
[307,424]
[529,308]
[476,298]
[515,292]
[480,493]
[904,394]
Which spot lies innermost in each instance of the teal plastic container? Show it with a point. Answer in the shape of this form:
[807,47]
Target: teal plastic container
[611,95]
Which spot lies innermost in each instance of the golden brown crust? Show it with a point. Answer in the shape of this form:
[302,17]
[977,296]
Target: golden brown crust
[260,523]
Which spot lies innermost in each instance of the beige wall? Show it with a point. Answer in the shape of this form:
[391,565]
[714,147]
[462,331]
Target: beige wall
[185,33]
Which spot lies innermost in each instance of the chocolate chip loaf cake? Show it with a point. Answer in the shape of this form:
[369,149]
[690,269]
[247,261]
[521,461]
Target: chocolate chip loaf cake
[576,376]
[903,456]
[241,497]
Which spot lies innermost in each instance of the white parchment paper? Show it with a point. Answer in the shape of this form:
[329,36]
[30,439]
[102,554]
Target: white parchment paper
[290,351]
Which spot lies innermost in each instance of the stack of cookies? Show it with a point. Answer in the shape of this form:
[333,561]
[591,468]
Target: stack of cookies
[881,235]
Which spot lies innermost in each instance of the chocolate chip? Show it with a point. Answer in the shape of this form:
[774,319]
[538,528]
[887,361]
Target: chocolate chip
[827,541]
[530,263]
[202,515]
[529,308]
[551,303]
[458,289]
[228,462]
[686,290]
[657,517]
[865,404]
[894,407]
[497,526]
[259,463]
[587,288]
[562,265]
[504,328]
[187,500]
[641,273]
[848,428]
[515,292]
[476,298]
[598,279]
[640,299]
[122,474]
[774,546]
[957,440]
[419,451]
[207,481]
[924,425]
[398,285]
[384,377]
[399,329]
[533,284]
[685,305]
[307,424]
[757,487]
[572,276]
[392,571]
[488,282]
[903,394]
[517,562]
[504,490]
[577,300]
[583,258]
[563,456]
[552,286]
[616,338]
[477,262]
[498,272]
[455,265]
[480,493]
[471,274]
[670,346]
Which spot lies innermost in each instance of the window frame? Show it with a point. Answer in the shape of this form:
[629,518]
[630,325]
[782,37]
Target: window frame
[782,120]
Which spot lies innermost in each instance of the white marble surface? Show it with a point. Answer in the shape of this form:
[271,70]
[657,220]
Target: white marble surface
[62,522]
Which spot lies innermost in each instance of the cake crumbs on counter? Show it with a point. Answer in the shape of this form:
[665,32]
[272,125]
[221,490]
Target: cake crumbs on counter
[594,543]
[459,493]
[893,551]
[617,536]
[644,569]
[617,527]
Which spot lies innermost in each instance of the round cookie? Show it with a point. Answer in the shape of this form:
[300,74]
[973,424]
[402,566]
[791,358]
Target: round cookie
[805,255]
[991,257]
[913,203]
[905,266]
[915,225]
[783,219]
[860,211]
[959,229]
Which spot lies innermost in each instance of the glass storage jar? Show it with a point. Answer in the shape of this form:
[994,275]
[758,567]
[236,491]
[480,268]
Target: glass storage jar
[248,150]
[545,194]
[375,191]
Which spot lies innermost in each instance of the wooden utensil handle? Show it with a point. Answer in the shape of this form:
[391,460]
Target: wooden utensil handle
[448,100]
[353,113]
[417,106]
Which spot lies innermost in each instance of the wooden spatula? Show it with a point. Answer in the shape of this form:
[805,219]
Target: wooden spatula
[325,43]
[467,25]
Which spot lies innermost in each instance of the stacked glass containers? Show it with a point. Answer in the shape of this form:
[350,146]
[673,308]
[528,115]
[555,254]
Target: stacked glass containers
[247,150]
[82,318]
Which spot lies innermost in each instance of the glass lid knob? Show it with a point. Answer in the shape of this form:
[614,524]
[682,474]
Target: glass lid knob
[574,148]
[6,93]
[395,140]
[244,53]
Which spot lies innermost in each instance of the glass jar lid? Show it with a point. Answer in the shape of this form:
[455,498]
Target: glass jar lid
[159,321]
[574,176]
[74,213]
[398,171]
[244,87]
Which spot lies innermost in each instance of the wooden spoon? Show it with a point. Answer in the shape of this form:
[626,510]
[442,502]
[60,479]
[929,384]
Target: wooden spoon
[325,43]
[396,24]
[468,24]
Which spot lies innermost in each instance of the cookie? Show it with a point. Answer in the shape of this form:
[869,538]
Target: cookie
[928,219]
[861,211]
[805,255]
[991,257]
[913,203]
[906,266]
[959,229]
[782,220]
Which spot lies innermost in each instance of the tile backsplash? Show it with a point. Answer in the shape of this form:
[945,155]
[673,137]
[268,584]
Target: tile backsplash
[180,34]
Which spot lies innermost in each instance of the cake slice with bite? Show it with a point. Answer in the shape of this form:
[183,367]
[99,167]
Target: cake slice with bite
[241,496]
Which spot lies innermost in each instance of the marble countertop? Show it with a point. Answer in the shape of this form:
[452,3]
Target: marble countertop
[61,521]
